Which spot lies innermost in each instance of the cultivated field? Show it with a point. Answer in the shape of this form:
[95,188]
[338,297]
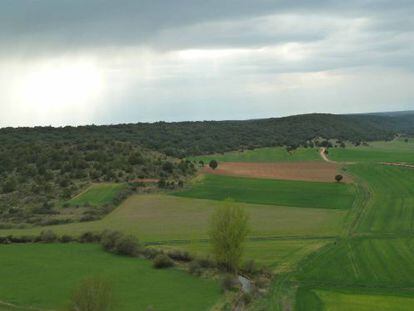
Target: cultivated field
[274,192]
[305,171]
[43,276]
[345,300]
[394,151]
[164,217]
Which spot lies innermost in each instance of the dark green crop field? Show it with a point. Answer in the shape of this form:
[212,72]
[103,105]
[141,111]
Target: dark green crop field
[274,192]
[97,194]
[391,206]
[43,276]
[379,263]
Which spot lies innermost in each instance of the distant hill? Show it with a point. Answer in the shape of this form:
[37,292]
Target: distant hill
[181,139]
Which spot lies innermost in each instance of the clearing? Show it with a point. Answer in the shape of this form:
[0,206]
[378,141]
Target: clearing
[97,194]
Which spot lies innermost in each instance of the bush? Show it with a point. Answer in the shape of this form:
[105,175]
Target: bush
[127,245]
[162,261]
[195,268]
[109,240]
[89,237]
[229,282]
[250,267]
[150,253]
[178,255]
[48,236]
[206,263]
[66,238]
[92,294]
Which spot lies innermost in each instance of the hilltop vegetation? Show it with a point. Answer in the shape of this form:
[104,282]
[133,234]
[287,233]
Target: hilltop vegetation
[37,177]
[182,139]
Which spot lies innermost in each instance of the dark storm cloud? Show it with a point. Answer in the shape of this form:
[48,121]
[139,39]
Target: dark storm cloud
[46,25]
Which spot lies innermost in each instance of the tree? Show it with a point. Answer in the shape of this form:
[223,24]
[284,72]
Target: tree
[213,164]
[228,231]
[92,294]
[338,178]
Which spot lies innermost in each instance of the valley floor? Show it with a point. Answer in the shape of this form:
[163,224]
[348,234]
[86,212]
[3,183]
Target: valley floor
[347,246]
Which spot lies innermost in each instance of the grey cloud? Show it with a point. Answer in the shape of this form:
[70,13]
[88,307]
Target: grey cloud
[71,24]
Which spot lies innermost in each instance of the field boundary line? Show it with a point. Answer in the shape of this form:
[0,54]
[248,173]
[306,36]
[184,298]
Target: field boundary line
[250,239]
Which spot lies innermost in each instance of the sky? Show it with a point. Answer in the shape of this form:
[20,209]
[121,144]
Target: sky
[75,62]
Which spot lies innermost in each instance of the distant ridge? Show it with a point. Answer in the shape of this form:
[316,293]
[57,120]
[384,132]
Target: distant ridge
[181,139]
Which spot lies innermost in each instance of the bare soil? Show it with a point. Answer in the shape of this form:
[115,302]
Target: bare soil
[307,171]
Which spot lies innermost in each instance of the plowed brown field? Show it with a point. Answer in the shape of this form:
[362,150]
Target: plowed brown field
[308,171]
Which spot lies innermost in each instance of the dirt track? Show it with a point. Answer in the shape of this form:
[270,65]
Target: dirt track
[307,171]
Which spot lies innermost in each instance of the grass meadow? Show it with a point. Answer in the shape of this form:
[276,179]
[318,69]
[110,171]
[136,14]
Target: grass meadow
[43,276]
[160,217]
[274,192]
[97,194]
[345,300]
[393,151]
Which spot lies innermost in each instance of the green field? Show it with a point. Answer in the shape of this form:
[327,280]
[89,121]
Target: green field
[97,194]
[391,205]
[380,263]
[280,255]
[318,299]
[275,192]
[276,154]
[393,151]
[43,276]
[159,217]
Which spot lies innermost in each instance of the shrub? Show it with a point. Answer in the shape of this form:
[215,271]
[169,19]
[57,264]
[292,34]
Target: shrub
[109,240]
[89,237]
[150,253]
[229,282]
[250,267]
[246,298]
[195,268]
[179,255]
[66,238]
[22,239]
[206,263]
[162,261]
[127,245]
[92,294]
[48,236]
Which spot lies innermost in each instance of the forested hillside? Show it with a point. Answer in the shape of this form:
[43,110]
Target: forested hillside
[36,178]
[194,138]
